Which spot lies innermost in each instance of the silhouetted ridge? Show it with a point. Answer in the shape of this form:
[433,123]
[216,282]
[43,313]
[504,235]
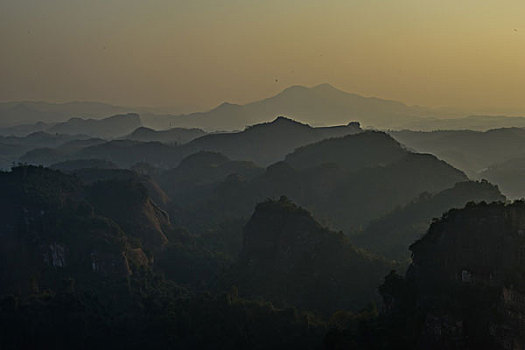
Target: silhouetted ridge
[111,127]
[227,106]
[325,86]
[280,121]
[51,231]
[319,105]
[266,143]
[173,135]
[369,148]
[467,279]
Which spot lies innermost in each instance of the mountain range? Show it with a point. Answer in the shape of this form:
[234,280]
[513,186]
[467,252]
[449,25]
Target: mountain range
[321,105]
[366,176]
[27,112]
[468,150]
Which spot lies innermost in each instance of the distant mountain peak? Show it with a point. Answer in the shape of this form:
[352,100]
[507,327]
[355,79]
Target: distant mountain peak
[321,104]
[300,89]
[295,88]
[283,119]
[227,105]
[325,86]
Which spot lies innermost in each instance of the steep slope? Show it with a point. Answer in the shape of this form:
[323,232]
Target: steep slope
[127,203]
[392,234]
[469,282]
[92,174]
[49,233]
[56,226]
[288,257]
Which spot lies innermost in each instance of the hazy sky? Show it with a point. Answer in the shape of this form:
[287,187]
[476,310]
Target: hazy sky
[463,53]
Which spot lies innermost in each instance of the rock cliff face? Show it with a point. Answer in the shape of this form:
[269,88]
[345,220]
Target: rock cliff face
[289,258]
[127,203]
[469,274]
[50,229]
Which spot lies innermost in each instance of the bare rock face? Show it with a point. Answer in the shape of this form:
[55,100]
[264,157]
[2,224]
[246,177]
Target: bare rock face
[469,273]
[110,264]
[50,230]
[55,255]
[128,204]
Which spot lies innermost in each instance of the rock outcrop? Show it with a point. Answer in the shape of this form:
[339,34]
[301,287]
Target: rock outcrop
[468,273]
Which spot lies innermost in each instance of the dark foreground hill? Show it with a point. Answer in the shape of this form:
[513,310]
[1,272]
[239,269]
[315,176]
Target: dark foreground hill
[289,258]
[75,272]
[50,232]
[469,278]
[464,289]
[392,234]
[90,261]
[72,278]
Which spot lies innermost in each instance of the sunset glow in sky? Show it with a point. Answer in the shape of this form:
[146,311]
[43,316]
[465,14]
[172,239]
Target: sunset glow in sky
[199,53]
